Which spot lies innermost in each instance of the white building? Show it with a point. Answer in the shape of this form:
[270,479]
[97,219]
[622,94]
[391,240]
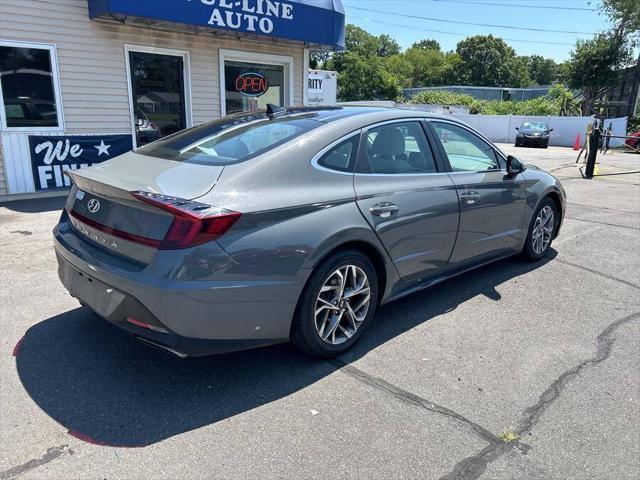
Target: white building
[84,80]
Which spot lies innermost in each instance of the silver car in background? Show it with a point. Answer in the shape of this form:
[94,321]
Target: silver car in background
[296,224]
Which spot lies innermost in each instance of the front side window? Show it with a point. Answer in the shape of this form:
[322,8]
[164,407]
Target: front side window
[28,91]
[466,151]
[399,148]
[229,140]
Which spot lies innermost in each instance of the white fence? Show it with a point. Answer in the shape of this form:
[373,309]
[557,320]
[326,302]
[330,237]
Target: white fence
[502,128]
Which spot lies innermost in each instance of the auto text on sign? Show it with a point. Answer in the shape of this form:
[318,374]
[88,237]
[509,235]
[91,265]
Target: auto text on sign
[248,15]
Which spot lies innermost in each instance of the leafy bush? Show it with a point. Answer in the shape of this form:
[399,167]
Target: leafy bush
[548,105]
[442,97]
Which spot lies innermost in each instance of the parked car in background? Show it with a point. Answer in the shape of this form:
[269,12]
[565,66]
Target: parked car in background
[634,141]
[265,227]
[533,134]
[146,130]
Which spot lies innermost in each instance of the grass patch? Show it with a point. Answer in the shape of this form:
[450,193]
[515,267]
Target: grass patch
[508,436]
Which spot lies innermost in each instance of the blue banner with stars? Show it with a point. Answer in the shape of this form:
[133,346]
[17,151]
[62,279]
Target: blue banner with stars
[51,156]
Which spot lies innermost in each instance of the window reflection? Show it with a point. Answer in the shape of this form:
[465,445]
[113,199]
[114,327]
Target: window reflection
[27,87]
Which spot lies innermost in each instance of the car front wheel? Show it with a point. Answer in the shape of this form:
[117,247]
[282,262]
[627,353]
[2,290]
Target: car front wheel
[337,305]
[541,230]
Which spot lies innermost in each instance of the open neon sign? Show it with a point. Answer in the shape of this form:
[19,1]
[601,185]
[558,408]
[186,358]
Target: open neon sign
[252,84]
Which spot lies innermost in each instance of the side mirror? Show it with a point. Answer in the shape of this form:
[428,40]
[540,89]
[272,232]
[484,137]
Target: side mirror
[550,130]
[518,128]
[514,166]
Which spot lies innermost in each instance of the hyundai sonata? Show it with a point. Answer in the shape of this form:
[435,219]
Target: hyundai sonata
[266,227]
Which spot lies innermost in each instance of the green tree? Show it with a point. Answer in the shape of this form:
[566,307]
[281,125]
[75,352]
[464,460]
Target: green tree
[486,60]
[358,40]
[387,46]
[318,59]
[518,76]
[567,104]
[400,66]
[542,71]
[427,44]
[595,64]
[366,79]
[427,67]
[452,71]
[625,15]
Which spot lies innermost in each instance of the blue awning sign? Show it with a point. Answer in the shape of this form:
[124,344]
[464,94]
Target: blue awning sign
[319,22]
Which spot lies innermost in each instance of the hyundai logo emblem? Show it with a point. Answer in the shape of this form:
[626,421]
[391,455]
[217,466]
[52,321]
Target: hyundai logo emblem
[94,205]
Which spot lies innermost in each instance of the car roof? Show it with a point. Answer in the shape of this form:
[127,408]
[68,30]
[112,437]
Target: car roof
[360,116]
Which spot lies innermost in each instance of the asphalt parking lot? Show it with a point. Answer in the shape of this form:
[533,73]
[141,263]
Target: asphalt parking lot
[546,355]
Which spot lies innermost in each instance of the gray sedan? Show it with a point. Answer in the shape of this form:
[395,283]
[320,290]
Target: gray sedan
[296,224]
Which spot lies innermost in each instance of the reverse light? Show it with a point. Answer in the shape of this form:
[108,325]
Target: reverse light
[194,223]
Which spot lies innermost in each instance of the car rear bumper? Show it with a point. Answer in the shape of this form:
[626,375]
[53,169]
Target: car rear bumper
[188,318]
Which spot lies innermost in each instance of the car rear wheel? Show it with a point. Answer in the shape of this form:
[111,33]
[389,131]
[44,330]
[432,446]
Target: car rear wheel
[541,230]
[336,306]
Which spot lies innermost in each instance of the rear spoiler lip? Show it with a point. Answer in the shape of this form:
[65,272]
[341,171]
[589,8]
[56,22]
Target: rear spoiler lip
[89,184]
[108,191]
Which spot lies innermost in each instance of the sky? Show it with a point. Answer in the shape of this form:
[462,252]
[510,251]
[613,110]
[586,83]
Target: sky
[557,15]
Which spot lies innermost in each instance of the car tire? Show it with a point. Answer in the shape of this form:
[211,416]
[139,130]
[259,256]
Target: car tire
[314,319]
[534,247]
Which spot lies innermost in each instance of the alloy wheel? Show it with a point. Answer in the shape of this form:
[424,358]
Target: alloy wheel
[543,230]
[342,304]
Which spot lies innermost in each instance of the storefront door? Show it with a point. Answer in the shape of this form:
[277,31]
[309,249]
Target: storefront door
[158,95]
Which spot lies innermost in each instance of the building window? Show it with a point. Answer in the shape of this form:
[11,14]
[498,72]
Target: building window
[158,94]
[249,81]
[29,81]
[250,87]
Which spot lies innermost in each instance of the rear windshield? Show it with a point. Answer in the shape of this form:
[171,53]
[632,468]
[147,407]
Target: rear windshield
[230,140]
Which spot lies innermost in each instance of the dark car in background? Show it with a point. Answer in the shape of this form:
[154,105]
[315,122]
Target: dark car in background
[533,134]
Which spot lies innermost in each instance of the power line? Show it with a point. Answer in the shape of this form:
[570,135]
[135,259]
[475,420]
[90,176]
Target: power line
[515,5]
[444,20]
[455,33]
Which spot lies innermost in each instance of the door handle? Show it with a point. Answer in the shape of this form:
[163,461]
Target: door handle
[384,209]
[470,198]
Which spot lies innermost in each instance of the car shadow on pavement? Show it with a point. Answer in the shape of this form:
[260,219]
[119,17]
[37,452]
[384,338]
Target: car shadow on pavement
[36,205]
[107,388]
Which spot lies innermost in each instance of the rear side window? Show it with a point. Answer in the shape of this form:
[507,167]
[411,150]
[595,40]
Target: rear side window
[230,140]
[399,148]
[342,156]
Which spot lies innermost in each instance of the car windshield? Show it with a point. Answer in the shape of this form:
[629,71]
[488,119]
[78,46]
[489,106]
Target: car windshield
[233,139]
[539,127]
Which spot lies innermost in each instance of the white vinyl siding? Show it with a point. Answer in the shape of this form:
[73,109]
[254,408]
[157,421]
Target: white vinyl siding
[92,64]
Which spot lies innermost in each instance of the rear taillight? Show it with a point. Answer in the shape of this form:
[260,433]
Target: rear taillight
[194,223]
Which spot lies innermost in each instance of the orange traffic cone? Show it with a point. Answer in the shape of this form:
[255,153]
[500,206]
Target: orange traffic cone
[576,145]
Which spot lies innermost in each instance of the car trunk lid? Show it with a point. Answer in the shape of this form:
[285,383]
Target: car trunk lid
[134,205]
